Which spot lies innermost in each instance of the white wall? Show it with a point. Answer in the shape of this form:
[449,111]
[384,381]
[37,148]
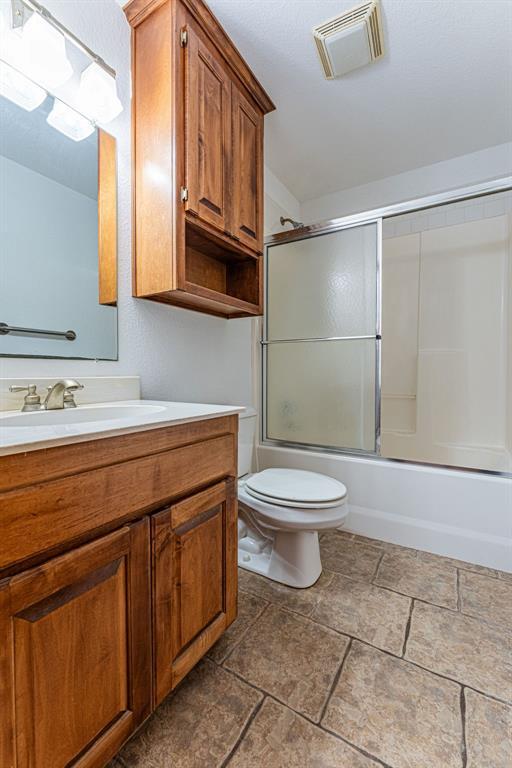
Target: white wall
[179,354]
[485,165]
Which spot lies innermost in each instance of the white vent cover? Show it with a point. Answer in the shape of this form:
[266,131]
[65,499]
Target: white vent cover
[350,40]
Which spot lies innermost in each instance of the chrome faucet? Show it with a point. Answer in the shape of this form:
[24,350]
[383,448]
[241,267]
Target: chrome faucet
[61,395]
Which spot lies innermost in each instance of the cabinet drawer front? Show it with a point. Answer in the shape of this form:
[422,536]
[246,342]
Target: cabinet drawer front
[194,580]
[77,629]
[40,517]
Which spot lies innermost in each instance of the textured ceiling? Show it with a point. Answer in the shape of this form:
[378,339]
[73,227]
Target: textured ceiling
[443,88]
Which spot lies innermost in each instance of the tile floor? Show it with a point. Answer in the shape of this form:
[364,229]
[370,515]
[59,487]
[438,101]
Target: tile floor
[393,658]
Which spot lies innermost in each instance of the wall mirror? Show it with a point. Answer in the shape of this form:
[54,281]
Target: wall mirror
[58,249]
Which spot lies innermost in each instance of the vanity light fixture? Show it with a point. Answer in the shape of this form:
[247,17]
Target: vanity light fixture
[34,62]
[19,89]
[69,122]
[44,53]
[97,95]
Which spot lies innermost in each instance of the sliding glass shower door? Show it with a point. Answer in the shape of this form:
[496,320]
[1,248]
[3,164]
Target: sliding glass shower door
[322,340]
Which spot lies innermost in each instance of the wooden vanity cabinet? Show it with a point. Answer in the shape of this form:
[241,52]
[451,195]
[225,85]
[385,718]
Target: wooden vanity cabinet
[118,571]
[194,580]
[75,656]
[197,126]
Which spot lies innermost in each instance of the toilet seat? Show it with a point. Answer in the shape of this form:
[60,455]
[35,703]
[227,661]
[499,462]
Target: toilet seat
[298,517]
[295,488]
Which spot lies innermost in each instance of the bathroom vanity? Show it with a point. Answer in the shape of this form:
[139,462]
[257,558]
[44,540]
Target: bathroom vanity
[118,572]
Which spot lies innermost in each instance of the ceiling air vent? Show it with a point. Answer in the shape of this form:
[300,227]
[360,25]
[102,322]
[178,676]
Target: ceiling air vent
[350,40]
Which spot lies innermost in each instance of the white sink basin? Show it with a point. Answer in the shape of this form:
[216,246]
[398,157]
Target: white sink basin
[21,432]
[80,415]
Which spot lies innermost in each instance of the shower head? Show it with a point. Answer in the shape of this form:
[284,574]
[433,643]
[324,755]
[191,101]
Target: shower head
[295,224]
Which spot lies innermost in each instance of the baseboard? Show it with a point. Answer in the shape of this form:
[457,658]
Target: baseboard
[447,540]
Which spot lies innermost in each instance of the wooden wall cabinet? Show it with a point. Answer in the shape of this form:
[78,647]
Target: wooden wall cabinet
[198,162]
[105,605]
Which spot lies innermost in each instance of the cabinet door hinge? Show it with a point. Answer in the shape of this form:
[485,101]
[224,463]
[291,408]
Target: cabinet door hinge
[183,37]
[184,194]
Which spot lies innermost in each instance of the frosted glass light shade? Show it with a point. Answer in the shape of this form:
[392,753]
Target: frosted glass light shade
[44,53]
[69,122]
[19,89]
[98,97]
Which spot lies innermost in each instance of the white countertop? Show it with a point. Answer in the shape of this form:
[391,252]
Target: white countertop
[20,438]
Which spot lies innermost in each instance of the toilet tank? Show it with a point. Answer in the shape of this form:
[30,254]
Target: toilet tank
[246,440]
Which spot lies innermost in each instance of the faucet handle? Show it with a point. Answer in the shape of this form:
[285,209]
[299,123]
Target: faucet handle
[32,401]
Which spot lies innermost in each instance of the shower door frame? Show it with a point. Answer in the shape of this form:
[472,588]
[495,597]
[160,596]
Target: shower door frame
[375,216]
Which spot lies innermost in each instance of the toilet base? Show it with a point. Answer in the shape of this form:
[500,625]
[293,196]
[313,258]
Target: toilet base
[289,557]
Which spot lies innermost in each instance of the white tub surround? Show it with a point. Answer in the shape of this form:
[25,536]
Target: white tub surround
[460,514]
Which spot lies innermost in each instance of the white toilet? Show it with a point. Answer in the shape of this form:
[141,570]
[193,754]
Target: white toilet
[280,512]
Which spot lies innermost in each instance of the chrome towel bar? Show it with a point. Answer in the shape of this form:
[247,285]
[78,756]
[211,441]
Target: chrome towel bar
[5,328]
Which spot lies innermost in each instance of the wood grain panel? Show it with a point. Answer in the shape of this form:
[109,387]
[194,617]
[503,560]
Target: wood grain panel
[21,469]
[107,219]
[247,165]
[38,518]
[154,264]
[72,630]
[183,511]
[194,580]
[208,132]
[137,10]
[197,578]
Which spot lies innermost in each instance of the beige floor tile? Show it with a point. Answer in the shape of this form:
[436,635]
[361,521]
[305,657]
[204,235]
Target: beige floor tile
[249,608]
[484,598]
[417,578]
[372,614]
[488,732]
[290,657]
[430,557]
[349,557]
[298,600]
[505,576]
[198,726]
[403,715]
[279,738]
[468,650]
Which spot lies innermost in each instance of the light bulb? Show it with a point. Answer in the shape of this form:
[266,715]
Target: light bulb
[98,94]
[19,89]
[69,122]
[44,53]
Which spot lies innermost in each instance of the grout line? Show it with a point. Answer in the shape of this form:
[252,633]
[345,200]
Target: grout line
[242,733]
[375,575]
[458,591]
[273,697]
[407,628]
[237,642]
[388,653]
[335,680]
[463,747]
[363,751]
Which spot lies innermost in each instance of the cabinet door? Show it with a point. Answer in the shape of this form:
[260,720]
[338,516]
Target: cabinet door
[75,647]
[247,165]
[194,580]
[208,133]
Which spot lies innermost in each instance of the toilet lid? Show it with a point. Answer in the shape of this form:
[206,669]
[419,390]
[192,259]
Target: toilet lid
[295,486]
